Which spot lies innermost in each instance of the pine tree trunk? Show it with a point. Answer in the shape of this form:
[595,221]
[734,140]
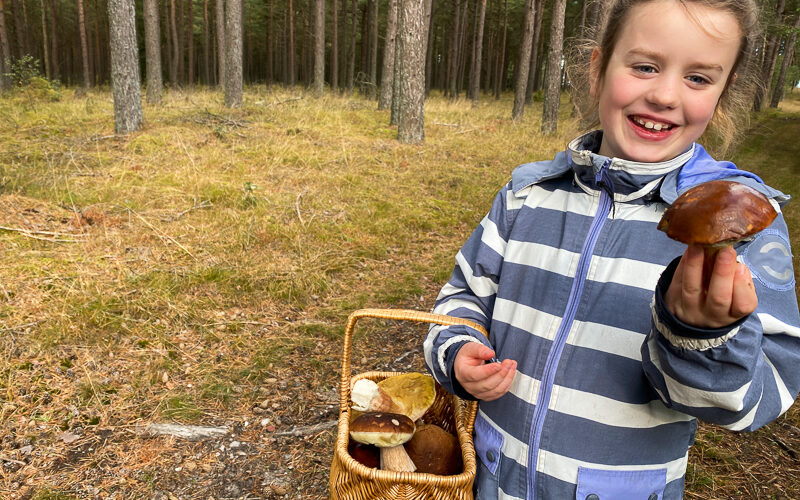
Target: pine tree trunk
[430,43]
[5,49]
[335,47]
[233,49]
[476,82]
[26,35]
[412,38]
[452,70]
[152,45]
[190,40]
[536,46]
[206,45]
[98,66]
[48,71]
[18,28]
[462,47]
[524,61]
[373,51]
[319,47]
[788,54]
[84,45]
[552,94]
[174,73]
[54,65]
[770,58]
[387,73]
[291,63]
[501,62]
[351,60]
[220,8]
[125,82]
[345,45]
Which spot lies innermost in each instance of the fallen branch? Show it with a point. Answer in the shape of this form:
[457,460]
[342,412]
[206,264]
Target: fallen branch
[162,235]
[11,460]
[297,207]
[34,233]
[304,430]
[188,432]
[285,101]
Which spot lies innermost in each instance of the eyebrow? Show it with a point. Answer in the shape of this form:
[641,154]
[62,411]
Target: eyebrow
[656,55]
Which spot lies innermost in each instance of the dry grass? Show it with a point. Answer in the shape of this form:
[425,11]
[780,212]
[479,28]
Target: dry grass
[201,270]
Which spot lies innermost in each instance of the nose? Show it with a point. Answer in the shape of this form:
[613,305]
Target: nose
[664,92]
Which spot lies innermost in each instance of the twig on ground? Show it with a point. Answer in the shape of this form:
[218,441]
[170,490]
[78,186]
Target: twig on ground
[225,120]
[447,124]
[297,207]
[196,206]
[18,327]
[103,137]
[285,101]
[52,236]
[162,235]
[189,432]
[782,444]
[11,460]
[304,430]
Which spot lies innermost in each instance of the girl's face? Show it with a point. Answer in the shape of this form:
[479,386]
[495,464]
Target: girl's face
[664,79]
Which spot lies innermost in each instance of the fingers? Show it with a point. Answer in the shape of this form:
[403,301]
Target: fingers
[486,381]
[720,288]
[745,299]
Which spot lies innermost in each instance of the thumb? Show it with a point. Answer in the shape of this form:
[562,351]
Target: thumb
[477,353]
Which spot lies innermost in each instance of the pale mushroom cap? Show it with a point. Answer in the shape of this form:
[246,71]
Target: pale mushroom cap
[717,213]
[384,430]
[411,393]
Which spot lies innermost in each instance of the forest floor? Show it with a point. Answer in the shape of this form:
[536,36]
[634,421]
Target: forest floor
[200,272]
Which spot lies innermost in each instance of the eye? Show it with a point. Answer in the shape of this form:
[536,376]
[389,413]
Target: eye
[644,68]
[698,79]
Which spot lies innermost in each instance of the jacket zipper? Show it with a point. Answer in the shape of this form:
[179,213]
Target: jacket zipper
[546,387]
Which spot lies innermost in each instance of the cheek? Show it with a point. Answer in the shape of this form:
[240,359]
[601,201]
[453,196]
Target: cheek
[700,111]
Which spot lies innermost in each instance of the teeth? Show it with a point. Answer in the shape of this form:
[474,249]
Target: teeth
[652,126]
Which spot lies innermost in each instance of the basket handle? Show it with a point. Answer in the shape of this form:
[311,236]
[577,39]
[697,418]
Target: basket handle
[398,314]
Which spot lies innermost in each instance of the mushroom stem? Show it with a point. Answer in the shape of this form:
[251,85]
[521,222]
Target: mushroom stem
[396,459]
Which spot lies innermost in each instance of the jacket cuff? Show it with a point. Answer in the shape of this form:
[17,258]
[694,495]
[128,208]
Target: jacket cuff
[682,335]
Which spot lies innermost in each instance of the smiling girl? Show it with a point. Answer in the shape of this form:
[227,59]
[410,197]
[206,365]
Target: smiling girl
[605,346]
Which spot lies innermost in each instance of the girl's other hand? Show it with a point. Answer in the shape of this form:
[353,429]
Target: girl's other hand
[485,381]
[729,297]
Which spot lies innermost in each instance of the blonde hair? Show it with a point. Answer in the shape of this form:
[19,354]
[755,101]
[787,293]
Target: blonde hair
[732,113]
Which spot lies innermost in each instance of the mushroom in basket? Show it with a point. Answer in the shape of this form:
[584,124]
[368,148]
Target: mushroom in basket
[716,214]
[387,431]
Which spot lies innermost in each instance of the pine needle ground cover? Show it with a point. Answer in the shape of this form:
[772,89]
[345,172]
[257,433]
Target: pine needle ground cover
[200,272]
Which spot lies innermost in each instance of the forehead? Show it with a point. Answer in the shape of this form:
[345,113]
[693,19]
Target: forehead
[687,27]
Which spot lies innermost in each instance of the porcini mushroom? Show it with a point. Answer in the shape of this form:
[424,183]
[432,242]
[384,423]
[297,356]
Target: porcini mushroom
[435,451]
[716,214]
[410,394]
[387,431]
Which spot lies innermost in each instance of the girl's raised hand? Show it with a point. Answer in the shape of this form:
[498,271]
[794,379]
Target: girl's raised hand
[729,297]
[485,381]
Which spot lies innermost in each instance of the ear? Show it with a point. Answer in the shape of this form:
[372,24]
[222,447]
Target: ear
[594,72]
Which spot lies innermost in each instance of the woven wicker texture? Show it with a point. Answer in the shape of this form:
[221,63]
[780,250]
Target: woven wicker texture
[350,480]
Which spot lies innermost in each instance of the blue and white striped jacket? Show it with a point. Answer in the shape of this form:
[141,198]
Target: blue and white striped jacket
[609,384]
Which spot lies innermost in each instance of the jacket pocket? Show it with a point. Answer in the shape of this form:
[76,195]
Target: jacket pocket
[488,442]
[597,484]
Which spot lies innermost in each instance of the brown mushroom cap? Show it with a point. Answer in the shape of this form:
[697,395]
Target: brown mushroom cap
[717,213]
[435,451]
[384,430]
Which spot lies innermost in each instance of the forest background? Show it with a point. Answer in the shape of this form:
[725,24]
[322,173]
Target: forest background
[199,270]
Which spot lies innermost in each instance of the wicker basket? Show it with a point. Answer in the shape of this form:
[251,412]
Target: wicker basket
[350,480]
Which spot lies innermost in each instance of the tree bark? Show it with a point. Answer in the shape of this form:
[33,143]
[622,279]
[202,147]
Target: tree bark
[552,94]
[233,49]
[788,54]
[524,60]
[319,48]
[206,45]
[387,73]
[98,66]
[351,60]
[501,63]
[478,54]
[290,51]
[176,48]
[54,64]
[373,51]
[84,45]
[429,48]
[48,71]
[125,82]
[221,52]
[412,38]
[271,43]
[452,68]
[535,46]
[190,40]
[152,45]
[18,28]
[335,47]
[5,49]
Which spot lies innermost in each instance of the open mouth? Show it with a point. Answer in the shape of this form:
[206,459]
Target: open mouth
[652,125]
